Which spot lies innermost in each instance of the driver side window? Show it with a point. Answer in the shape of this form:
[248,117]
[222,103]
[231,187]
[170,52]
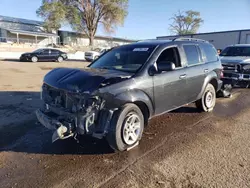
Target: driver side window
[170,55]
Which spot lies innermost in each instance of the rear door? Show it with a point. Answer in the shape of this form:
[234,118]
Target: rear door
[196,70]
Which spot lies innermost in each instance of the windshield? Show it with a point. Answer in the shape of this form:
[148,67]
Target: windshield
[37,51]
[126,58]
[236,51]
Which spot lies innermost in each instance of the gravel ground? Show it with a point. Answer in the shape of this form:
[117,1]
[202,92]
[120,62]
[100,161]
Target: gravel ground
[183,148]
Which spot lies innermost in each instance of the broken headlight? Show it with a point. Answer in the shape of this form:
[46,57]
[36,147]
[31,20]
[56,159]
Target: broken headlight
[87,104]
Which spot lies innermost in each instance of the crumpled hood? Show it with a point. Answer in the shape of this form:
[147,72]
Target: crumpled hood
[235,60]
[83,80]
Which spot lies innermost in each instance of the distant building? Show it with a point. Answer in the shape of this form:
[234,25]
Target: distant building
[78,39]
[220,39]
[22,31]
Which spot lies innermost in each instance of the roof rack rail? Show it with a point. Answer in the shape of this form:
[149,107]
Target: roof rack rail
[189,39]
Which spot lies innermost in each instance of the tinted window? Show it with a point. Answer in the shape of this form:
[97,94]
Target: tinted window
[236,51]
[46,51]
[170,55]
[210,52]
[54,51]
[126,58]
[192,54]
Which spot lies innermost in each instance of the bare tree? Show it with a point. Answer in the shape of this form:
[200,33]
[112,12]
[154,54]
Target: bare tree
[186,22]
[84,15]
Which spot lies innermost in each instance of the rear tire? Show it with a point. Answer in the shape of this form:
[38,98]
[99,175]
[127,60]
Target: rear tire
[60,59]
[208,100]
[126,128]
[34,59]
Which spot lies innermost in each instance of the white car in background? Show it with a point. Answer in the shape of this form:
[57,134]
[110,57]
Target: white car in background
[94,54]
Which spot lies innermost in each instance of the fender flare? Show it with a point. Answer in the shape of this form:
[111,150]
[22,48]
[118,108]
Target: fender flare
[210,78]
[135,96]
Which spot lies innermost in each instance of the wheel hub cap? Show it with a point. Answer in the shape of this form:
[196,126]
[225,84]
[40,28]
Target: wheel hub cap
[209,99]
[132,128]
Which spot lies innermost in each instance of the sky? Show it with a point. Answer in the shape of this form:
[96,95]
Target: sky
[148,19]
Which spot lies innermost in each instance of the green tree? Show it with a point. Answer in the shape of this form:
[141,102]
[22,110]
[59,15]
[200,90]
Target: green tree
[186,22]
[84,16]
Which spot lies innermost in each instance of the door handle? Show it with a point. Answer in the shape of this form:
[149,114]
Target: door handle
[183,76]
[206,70]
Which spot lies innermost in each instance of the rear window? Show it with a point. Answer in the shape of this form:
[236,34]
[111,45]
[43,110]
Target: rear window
[210,52]
[192,54]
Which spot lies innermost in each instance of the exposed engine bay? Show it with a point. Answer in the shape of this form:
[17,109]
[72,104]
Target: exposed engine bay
[70,114]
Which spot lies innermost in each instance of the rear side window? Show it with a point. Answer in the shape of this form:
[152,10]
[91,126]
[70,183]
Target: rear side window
[210,52]
[54,52]
[192,54]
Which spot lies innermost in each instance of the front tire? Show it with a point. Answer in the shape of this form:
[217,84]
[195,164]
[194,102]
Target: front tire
[208,100]
[126,128]
[34,59]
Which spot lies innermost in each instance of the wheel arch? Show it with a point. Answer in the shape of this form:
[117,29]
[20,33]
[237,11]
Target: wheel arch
[212,79]
[139,98]
[34,56]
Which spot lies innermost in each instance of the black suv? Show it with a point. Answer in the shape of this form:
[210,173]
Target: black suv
[116,95]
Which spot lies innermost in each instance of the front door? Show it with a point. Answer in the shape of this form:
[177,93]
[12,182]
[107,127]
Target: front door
[170,87]
[45,55]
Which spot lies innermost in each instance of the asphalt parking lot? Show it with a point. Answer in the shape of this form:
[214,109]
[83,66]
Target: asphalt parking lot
[183,148]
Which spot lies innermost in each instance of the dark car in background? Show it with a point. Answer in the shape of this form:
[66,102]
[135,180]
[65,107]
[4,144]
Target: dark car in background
[44,55]
[116,95]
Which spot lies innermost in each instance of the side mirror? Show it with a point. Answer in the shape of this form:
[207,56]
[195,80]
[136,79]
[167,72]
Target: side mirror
[165,66]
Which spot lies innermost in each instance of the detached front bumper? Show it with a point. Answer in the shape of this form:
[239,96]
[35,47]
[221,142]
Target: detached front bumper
[46,121]
[67,124]
[62,130]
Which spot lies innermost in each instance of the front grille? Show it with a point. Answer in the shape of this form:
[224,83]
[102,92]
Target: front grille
[231,67]
[231,75]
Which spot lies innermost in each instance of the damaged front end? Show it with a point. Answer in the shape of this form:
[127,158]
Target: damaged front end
[237,74]
[71,114]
